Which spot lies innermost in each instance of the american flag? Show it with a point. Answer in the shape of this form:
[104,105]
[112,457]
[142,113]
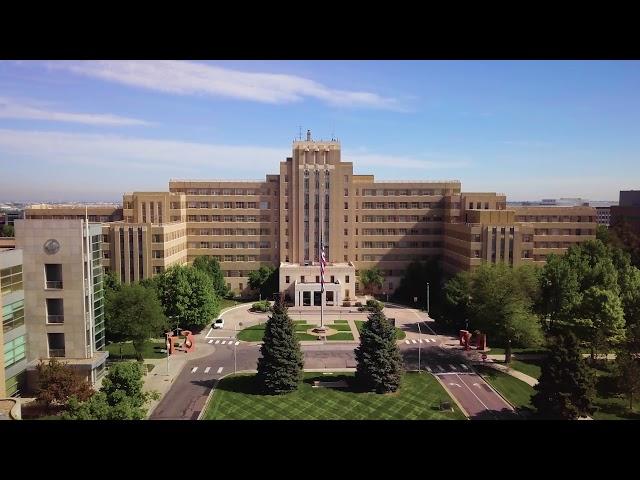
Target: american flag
[323,263]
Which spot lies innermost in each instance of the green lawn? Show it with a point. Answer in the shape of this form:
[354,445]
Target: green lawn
[341,321]
[256,332]
[400,334]
[341,336]
[150,349]
[610,403]
[419,397]
[341,327]
[516,391]
[500,350]
[528,367]
[227,302]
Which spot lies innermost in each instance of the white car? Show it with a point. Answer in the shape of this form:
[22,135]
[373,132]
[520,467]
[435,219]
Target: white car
[219,323]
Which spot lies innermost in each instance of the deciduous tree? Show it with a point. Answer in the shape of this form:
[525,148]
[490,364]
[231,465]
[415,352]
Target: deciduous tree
[211,267]
[371,277]
[264,280]
[57,382]
[135,314]
[188,297]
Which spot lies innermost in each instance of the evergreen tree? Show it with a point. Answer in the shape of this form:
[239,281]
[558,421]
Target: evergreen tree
[566,386]
[379,362]
[280,367]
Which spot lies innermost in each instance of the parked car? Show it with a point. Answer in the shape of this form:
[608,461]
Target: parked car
[219,323]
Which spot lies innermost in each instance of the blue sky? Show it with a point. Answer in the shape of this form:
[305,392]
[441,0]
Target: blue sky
[90,131]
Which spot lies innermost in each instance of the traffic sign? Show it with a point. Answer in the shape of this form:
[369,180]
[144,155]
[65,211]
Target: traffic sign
[484,357]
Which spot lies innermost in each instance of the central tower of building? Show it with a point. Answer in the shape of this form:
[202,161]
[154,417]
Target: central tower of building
[313,177]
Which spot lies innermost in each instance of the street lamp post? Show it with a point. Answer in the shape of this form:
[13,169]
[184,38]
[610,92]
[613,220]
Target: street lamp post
[235,346]
[427,298]
[420,346]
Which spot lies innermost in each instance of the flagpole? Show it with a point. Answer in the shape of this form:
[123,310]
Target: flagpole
[321,254]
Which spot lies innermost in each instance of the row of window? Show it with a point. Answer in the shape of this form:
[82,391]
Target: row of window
[396,205]
[303,279]
[167,237]
[221,191]
[236,273]
[564,231]
[228,218]
[402,244]
[402,231]
[366,192]
[242,245]
[396,257]
[260,205]
[235,258]
[554,218]
[400,218]
[230,231]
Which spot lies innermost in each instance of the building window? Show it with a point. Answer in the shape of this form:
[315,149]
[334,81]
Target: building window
[55,310]
[346,205]
[56,344]
[302,279]
[15,351]
[286,279]
[53,275]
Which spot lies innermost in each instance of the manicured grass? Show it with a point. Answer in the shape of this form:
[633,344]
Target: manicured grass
[341,321]
[150,349]
[341,327]
[528,367]
[341,336]
[252,334]
[516,391]
[256,332]
[419,397]
[227,302]
[400,334]
[500,350]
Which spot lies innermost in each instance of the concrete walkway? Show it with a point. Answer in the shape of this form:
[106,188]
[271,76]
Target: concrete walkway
[510,371]
[354,330]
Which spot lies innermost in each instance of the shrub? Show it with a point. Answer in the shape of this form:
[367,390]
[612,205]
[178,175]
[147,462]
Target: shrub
[374,305]
[262,306]
[346,303]
[358,304]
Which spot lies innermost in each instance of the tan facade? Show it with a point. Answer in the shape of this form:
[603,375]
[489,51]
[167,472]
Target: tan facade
[95,213]
[64,313]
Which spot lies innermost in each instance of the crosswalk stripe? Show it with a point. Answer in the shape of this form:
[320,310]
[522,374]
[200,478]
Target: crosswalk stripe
[433,340]
[217,342]
[452,367]
[407,342]
[223,342]
[193,370]
[440,368]
[237,343]
[429,369]
[420,340]
[210,341]
[220,369]
[206,370]
[464,366]
[413,340]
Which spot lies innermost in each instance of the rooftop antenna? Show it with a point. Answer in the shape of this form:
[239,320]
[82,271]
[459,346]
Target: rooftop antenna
[300,133]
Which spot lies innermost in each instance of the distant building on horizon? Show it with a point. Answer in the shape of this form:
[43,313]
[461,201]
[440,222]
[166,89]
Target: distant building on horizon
[628,210]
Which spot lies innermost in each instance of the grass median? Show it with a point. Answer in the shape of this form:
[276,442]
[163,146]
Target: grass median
[418,398]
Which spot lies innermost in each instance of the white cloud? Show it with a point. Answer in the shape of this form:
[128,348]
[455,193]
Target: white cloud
[10,108]
[190,78]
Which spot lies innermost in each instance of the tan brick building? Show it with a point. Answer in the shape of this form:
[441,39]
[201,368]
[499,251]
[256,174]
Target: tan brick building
[364,223]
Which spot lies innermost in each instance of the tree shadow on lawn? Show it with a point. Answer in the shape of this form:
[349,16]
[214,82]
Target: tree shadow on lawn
[620,410]
[501,415]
